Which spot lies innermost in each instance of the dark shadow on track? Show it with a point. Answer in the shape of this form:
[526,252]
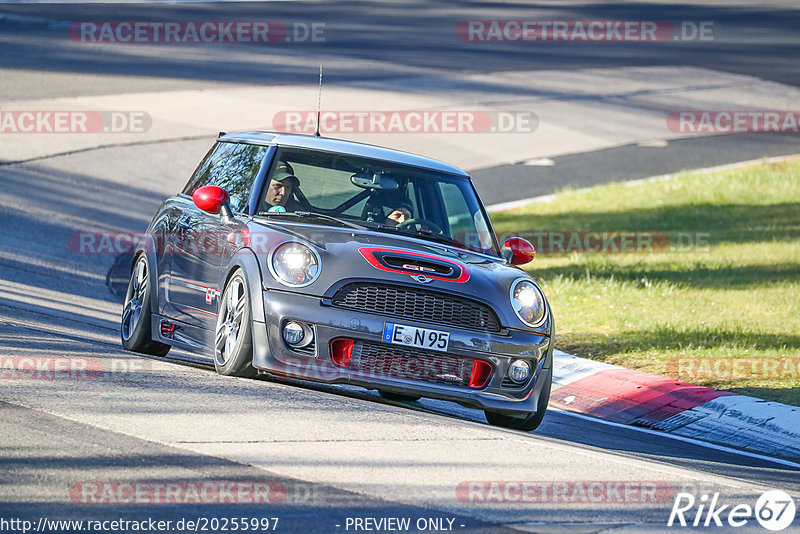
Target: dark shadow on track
[506,183]
[757,41]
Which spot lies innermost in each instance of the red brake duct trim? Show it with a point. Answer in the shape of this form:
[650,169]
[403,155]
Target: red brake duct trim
[341,351]
[481,371]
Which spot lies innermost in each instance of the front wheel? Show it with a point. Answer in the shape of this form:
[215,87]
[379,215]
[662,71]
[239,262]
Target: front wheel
[527,422]
[233,338]
[135,326]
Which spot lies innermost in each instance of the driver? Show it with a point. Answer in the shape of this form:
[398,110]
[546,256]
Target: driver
[400,214]
[281,187]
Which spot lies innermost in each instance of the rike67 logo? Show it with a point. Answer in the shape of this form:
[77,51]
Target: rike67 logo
[774,510]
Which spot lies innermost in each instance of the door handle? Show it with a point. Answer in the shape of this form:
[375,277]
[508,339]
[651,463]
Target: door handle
[186,223]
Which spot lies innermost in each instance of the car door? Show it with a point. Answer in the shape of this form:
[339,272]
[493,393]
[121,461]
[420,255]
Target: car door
[201,240]
[194,265]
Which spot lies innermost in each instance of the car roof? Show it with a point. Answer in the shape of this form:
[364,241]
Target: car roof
[328,144]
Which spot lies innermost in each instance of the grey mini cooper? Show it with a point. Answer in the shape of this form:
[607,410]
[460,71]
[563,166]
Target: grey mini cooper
[339,262]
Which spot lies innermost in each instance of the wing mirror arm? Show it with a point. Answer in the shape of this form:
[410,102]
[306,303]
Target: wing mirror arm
[225,213]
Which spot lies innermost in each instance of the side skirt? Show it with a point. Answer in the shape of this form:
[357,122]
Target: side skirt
[181,335]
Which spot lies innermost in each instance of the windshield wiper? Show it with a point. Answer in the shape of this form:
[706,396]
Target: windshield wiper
[427,235]
[312,214]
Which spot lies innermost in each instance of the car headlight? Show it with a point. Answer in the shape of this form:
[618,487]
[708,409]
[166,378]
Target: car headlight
[528,302]
[295,264]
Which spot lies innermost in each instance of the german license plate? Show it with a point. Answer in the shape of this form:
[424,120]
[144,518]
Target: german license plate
[412,336]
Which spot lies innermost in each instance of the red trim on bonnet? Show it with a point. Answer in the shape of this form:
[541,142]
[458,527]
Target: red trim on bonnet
[369,254]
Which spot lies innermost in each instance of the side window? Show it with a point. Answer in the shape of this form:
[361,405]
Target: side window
[237,176]
[231,166]
[209,168]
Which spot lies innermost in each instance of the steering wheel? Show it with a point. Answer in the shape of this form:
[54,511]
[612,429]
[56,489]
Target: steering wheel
[419,223]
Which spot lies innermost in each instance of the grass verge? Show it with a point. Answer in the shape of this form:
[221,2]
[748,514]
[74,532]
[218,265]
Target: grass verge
[710,293]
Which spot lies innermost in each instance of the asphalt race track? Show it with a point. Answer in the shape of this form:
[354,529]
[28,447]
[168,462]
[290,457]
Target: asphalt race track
[322,455]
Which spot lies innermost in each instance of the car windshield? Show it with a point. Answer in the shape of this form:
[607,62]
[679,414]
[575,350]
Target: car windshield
[379,195]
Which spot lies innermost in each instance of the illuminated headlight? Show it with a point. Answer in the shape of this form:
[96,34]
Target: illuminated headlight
[295,264]
[528,302]
[519,371]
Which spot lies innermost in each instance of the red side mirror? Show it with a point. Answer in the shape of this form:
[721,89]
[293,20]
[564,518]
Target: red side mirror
[520,251]
[210,198]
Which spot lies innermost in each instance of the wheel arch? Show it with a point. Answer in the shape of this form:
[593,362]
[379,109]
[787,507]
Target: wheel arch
[148,249]
[246,260]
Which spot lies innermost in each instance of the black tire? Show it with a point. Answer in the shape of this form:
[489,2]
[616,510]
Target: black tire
[388,395]
[135,326]
[528,422]
[233,336]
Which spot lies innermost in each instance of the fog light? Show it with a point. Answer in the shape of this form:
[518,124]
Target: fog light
[293,333]
[519,371]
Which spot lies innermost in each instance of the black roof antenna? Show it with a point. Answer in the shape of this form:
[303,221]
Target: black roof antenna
[319,101]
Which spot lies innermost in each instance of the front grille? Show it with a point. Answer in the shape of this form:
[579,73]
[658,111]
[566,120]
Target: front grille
[387,361]
[418,304]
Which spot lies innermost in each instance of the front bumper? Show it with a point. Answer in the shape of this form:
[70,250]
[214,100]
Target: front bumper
[273,355]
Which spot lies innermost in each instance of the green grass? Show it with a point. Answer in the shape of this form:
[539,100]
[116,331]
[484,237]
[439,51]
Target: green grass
[724,314]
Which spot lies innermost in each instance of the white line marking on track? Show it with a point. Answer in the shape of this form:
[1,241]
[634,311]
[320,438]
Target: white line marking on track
[706,444]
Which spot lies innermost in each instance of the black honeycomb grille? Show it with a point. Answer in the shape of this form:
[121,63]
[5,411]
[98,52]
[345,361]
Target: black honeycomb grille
[380,360]
[417,304]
